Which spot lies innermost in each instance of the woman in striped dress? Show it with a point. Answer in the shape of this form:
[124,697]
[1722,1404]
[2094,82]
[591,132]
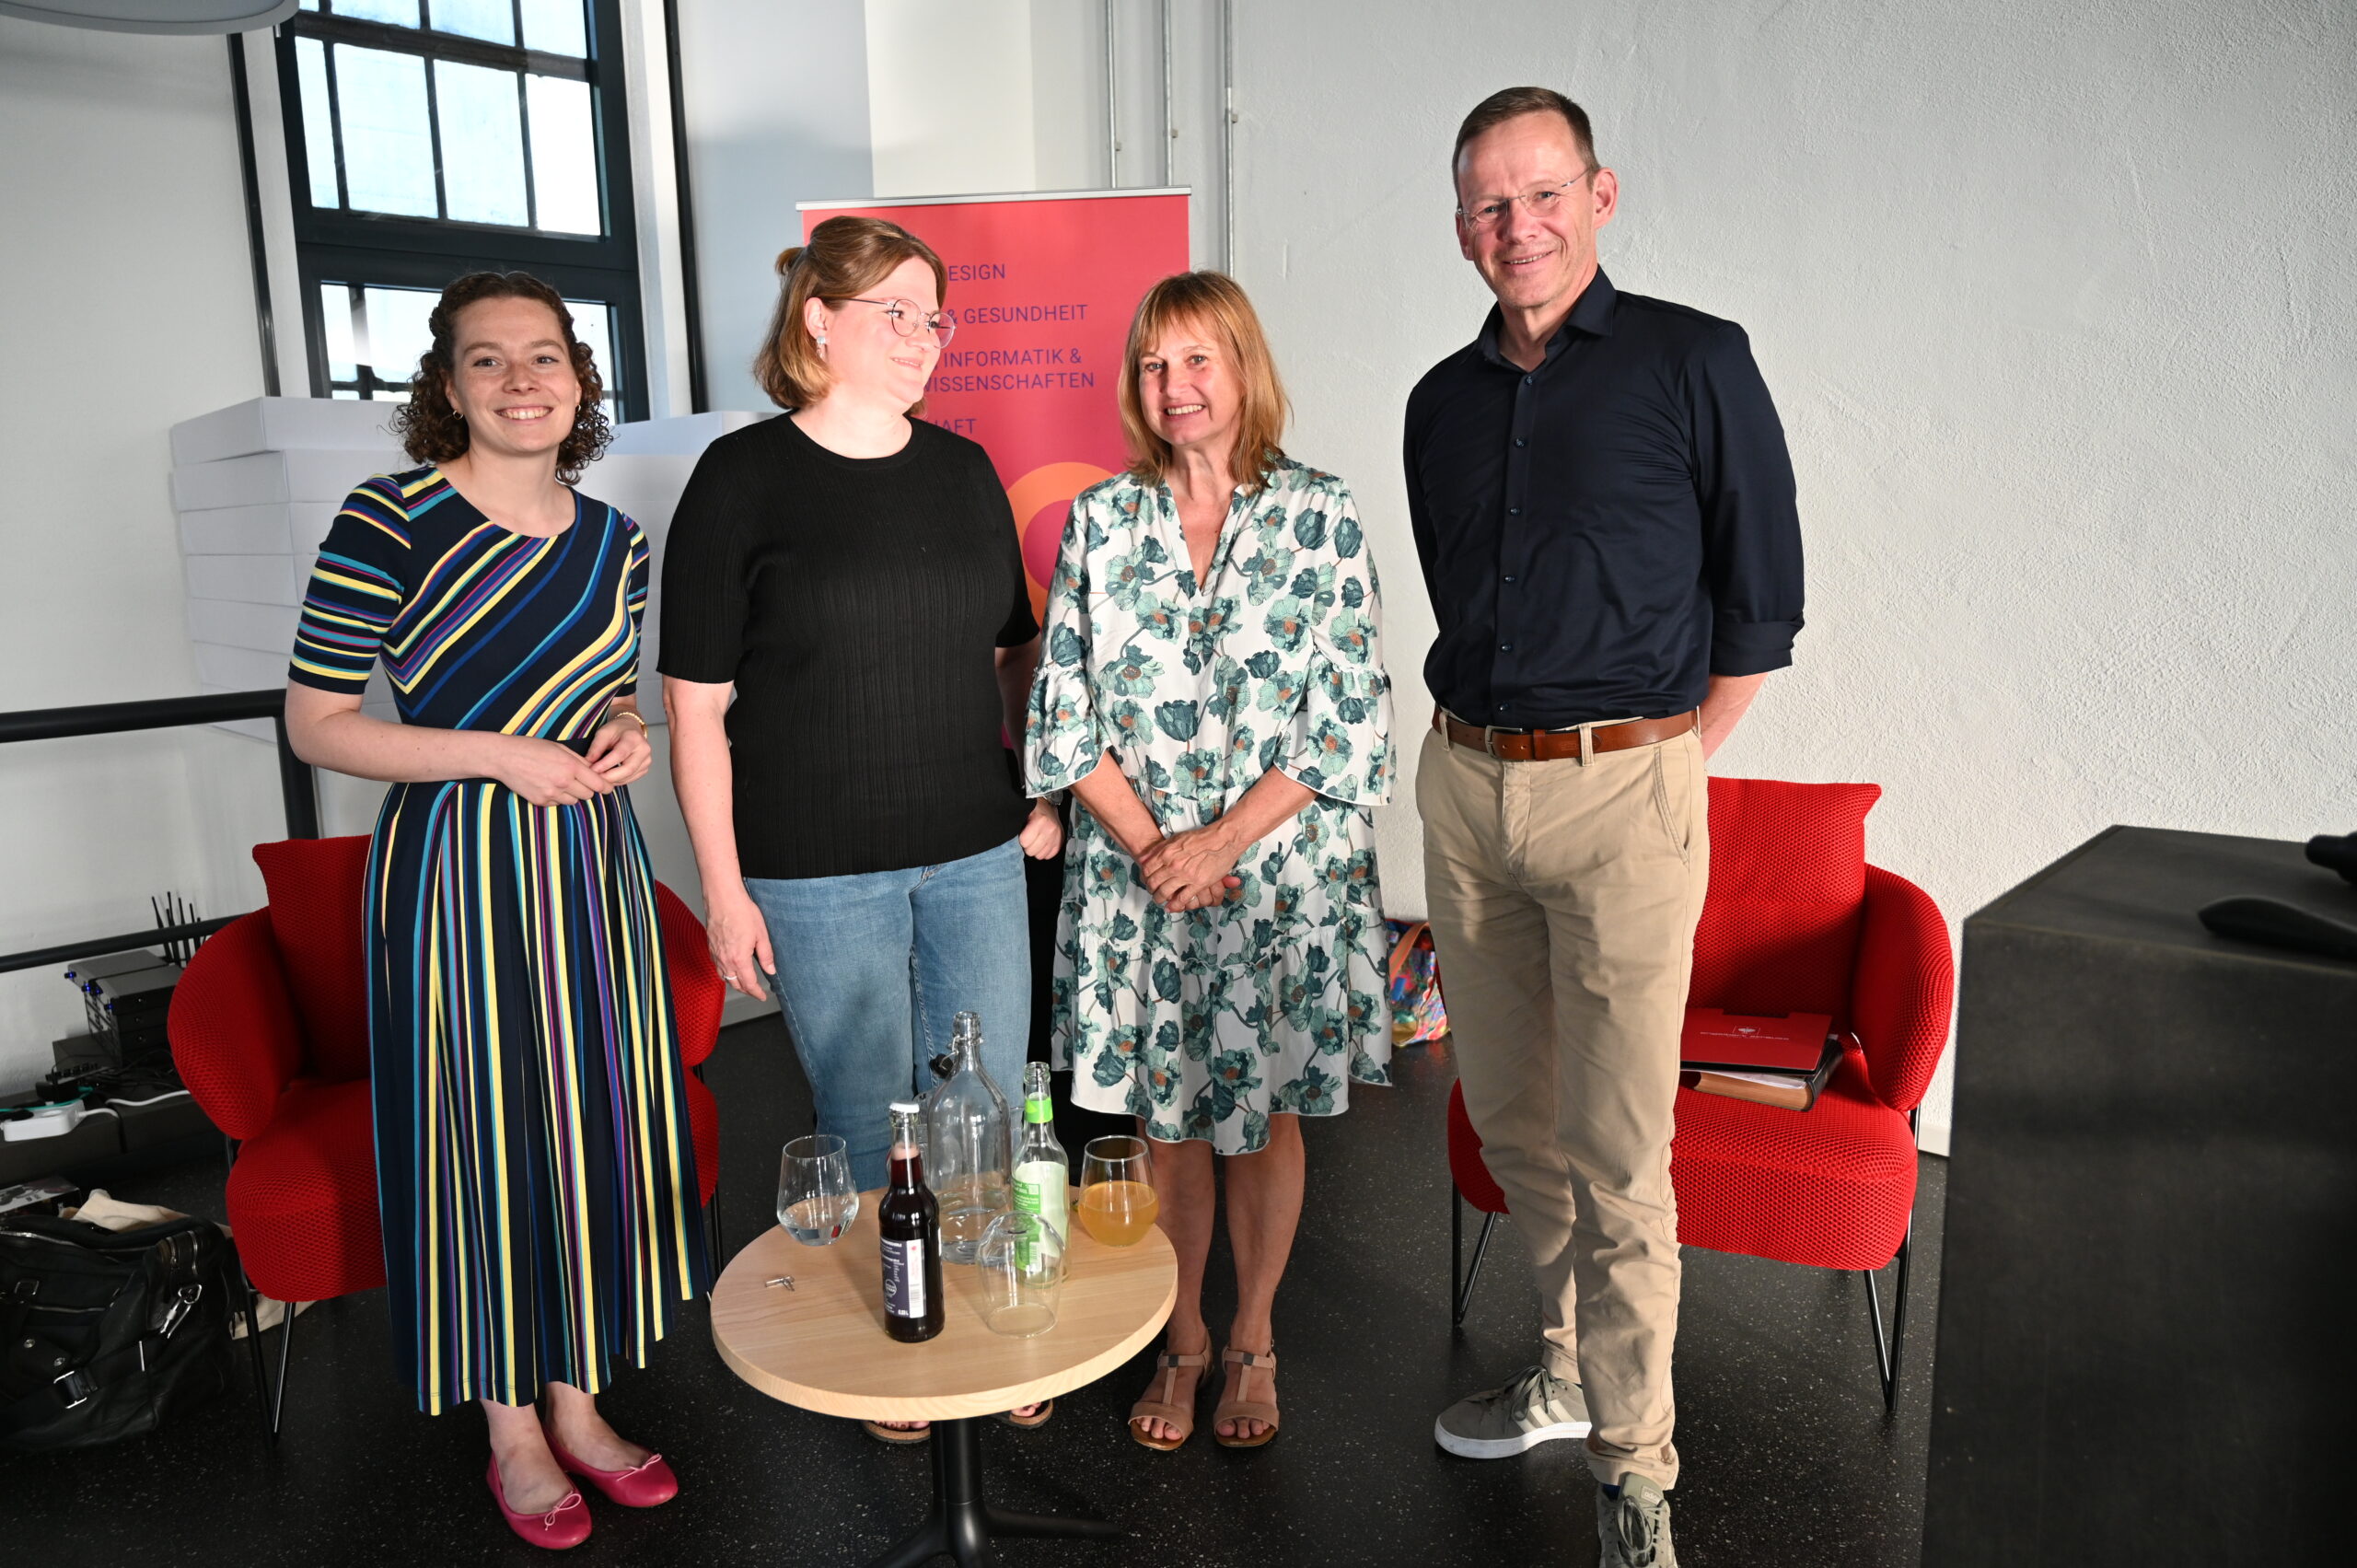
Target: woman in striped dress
[535,1170]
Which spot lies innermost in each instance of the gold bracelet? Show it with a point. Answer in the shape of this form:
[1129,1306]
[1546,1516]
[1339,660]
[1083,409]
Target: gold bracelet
[629,714]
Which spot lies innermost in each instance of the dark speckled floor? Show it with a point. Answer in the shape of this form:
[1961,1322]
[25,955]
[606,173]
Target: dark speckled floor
[1788,1458]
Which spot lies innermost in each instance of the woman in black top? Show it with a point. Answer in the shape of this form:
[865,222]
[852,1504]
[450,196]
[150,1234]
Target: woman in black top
[851,578]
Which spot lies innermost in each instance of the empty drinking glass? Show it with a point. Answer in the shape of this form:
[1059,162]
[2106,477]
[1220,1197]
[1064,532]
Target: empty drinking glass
[816,1201]
[1022,1264]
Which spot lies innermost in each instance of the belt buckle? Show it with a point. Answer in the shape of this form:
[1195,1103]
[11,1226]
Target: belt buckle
[1489,740]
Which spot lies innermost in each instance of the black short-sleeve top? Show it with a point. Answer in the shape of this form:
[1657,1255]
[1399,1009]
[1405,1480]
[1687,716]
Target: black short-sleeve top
[856,603]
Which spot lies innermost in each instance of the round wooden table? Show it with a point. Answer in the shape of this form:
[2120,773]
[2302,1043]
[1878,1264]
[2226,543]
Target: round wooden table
[819,1343]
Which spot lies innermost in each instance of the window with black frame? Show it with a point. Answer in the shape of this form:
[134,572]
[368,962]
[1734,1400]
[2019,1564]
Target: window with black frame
[432,139]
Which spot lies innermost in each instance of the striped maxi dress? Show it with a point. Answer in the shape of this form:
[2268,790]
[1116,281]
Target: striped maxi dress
[534,1166]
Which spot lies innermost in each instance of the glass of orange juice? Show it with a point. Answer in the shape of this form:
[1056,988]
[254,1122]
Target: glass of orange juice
[1116,1202]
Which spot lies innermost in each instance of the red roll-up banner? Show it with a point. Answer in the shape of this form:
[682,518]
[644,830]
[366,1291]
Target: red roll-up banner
[1043,287]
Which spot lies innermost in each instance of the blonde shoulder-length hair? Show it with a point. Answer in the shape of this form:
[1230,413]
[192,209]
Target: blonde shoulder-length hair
[846,257]
[1217,303]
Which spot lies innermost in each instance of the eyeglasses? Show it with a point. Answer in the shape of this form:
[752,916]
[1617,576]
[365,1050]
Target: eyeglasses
[1492,211]
[906,317]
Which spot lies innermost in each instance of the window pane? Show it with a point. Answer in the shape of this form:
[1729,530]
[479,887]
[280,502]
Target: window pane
[593,324]
[401,12]
[318,121]
[565,163]
[387,151]
[558,25]
[335,322]
[398,333]
[494,19]
[483,143]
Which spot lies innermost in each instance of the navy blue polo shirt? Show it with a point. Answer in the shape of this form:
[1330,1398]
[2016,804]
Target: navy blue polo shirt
[1603,534]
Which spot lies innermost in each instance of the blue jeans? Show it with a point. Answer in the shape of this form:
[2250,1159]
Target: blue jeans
[872,968]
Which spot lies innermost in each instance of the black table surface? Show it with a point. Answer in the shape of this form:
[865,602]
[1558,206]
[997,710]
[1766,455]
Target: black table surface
[2147,884]
[2144,1345]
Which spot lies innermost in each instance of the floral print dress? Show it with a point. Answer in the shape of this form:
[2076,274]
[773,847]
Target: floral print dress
[1205,1023]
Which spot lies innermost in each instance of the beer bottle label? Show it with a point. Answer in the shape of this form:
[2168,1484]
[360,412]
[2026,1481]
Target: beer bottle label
[904,1280]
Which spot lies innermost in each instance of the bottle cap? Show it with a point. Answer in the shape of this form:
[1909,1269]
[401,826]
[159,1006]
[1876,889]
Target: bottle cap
[902,1108]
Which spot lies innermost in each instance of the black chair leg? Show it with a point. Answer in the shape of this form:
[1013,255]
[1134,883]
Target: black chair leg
[1886,1350]
[278,1394]
[1464,1302]
[1455,1255]
[246,1295]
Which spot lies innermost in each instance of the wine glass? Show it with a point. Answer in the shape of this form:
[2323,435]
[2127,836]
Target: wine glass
[1116,1202]
[816,1201]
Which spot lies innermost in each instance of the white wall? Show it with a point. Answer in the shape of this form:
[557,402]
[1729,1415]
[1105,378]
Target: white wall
[949,96]
[776,100]
[129,304]
[2055,302]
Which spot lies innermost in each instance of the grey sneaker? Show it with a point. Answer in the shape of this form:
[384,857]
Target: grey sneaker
[1497,1424]
[1634,1527]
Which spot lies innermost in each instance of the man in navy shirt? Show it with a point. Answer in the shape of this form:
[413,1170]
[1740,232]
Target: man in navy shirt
[1603,506]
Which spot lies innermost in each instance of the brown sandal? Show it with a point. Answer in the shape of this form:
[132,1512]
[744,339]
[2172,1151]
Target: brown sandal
[1168,1407]
[896,1436]
[1232,1408]
[1038,1418]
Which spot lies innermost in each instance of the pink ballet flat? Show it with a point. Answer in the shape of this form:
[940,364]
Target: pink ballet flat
[643,1486]
[566,1525]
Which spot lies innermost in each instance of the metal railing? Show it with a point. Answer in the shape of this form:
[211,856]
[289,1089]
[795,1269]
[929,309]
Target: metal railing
[299,787]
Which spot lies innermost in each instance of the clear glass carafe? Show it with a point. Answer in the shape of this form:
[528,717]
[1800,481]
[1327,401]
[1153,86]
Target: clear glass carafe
[970,1157]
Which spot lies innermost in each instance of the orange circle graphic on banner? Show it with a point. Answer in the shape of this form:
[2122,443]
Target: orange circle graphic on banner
[1041,500]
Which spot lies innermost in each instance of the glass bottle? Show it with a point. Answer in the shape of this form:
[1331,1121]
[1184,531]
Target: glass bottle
[970,1152]
[909,1223]
[1043,1173]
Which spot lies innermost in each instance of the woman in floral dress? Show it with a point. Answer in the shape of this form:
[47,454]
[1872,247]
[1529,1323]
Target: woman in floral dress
[1212,691]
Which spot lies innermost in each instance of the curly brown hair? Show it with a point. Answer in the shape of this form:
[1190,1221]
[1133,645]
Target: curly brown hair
[429,425]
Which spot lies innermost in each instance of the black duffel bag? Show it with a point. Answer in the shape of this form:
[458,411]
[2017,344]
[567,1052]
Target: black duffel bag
[107,1333]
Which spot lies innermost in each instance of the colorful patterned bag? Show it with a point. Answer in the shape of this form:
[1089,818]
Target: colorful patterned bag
[1417,1012]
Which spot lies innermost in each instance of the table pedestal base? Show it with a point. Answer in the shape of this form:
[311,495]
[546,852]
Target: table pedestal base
[961,1524]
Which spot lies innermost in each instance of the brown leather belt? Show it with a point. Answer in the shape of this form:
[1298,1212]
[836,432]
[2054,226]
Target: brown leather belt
[1560,745]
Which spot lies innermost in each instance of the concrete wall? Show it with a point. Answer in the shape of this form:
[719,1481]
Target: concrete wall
[129,306]
[2055,302]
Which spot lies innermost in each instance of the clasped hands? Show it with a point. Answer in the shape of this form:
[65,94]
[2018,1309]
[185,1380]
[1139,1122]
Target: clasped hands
[1194,869]
[549,773]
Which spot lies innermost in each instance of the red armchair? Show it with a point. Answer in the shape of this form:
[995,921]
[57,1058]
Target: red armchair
[1794,921]
[269,1026]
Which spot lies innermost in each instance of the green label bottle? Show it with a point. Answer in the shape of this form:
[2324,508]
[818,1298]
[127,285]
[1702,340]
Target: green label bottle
[1043,1173]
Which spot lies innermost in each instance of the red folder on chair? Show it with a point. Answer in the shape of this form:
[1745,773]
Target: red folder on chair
[1775,1059]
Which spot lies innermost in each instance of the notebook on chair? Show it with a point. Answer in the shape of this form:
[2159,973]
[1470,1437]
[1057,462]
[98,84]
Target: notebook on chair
[1782,1060]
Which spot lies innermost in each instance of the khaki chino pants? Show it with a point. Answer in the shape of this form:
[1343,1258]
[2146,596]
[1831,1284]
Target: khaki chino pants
[1562,897]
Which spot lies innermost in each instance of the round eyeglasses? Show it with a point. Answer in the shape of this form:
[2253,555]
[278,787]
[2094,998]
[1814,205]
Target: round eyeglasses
[907,316]
[1490,212]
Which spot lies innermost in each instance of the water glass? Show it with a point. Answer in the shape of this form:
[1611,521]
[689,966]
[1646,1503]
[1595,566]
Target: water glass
[1118,1204]
[815,1201]
[1022,1265]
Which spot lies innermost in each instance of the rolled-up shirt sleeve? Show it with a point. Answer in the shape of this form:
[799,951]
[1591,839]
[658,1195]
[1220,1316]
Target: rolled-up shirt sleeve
[1751,529]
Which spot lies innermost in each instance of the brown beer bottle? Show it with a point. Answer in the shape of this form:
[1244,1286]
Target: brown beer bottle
[910,1223]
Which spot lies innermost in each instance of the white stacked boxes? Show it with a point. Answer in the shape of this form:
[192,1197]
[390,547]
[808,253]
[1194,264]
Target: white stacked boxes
[256,485]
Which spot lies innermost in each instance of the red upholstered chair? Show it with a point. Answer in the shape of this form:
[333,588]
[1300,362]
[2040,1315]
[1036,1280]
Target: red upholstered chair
[1795,921]
[270,1029]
